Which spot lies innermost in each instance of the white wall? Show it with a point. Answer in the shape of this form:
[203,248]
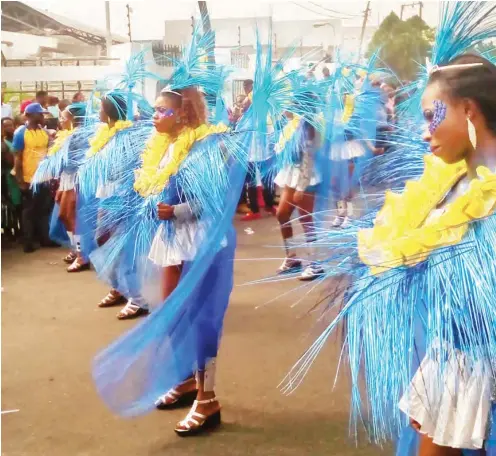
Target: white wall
[286,33]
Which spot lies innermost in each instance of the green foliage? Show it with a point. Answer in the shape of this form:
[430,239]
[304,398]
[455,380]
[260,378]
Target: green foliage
[402,45]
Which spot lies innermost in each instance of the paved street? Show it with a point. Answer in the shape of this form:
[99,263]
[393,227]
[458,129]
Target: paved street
[52,328]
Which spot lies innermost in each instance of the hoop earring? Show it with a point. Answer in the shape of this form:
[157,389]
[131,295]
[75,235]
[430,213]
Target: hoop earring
[472,134]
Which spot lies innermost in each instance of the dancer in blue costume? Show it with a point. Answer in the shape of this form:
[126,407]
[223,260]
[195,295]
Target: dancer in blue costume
[353,139]
[299,176]
[62,162]
[177,216]
[110,158]
[423,278]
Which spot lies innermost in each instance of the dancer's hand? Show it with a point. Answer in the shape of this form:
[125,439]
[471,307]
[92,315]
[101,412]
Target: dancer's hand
[298,197]
[165,212]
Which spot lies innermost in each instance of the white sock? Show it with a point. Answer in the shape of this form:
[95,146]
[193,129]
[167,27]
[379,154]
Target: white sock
[208,376]
[77,242]
[289,252]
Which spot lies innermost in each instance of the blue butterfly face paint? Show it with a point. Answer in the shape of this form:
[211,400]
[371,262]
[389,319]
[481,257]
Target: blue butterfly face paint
[164,112]
[438,115]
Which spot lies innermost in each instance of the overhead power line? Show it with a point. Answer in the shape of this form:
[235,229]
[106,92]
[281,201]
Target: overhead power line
[336,12]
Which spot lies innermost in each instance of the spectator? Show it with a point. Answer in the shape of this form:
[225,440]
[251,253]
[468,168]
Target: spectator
[11,195]
[63,104]
[41,97]
[53,107]
[30,146]
[78,97]
[256,162]
[6,108]
[237,110]
[24,105]
[326,73]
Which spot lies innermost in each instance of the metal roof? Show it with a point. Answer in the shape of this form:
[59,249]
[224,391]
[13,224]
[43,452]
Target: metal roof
[21,18]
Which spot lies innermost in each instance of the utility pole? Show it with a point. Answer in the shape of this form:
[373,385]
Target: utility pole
[129,11]
[207,28]
[364,25]
[108,39]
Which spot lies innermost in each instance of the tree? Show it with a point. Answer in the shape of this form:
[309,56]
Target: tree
[402,45]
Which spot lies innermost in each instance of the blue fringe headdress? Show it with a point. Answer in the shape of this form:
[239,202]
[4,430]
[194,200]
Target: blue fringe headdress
[390,320]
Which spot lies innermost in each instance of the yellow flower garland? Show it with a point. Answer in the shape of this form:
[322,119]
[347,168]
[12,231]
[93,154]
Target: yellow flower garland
[402,235]
[287,133]
[62,135]
[104,135]
[150,180]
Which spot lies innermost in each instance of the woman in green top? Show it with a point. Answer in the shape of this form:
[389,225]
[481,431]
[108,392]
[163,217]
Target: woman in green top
[11,194]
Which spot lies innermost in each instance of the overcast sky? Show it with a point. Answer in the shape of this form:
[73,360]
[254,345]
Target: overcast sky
[148,16]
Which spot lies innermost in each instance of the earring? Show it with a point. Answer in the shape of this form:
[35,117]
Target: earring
[472,134]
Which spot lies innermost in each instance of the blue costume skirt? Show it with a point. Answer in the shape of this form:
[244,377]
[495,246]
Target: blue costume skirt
[177,339]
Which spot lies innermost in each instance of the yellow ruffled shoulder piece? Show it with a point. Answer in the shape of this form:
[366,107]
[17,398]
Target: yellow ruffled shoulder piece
[287,133]
[349,107]
[61,137]
[149,180]
[402,237]
[104,134]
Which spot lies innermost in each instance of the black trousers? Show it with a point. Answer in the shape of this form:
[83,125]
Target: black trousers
[36,211]
[251,184]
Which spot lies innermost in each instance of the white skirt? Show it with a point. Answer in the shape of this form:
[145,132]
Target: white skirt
[106,190]
[181,246]
[347,150]
[290,176]
[67,181]
[452,407]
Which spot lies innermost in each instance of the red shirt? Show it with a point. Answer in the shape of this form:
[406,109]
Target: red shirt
[25,104]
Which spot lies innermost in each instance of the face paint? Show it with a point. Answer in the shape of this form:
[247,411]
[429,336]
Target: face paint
[164,112]
[438,116]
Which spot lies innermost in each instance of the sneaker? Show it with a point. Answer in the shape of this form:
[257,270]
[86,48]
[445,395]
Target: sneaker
[337,221]
[341,214]
[346,223]
[251,216]
[312,271]
[289,265]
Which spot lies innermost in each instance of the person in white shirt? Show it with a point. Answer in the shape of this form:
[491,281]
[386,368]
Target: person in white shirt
[6,108]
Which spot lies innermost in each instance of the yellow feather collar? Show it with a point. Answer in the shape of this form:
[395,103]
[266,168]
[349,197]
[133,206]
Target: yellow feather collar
[149,179]
[62,135]
[104,135]
[287,133]
[402,235]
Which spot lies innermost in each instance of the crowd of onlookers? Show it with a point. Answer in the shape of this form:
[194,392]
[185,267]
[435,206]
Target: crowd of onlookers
[25,216]
[26,136]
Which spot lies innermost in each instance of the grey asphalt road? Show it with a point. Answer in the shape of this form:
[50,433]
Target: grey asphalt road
[52,328]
